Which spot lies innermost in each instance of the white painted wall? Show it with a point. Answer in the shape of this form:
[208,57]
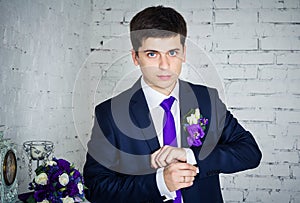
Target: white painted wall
[253,45]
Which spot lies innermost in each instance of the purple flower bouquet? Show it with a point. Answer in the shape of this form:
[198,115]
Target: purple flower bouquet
[57,181]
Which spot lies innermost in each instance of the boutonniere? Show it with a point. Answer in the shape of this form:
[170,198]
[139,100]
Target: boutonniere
[194,124]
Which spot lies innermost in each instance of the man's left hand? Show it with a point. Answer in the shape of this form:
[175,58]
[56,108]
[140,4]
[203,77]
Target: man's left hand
[167,155]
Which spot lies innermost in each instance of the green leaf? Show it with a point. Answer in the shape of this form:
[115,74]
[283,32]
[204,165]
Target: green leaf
[39,170]
[31,199]
[62,189]
[72,166]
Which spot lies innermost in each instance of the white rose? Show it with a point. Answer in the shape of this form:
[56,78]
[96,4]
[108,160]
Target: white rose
[41,179]
[194,120]
[67,199]
[197,113]
[189,120]
[51,163]
[44,201]
[80,188]
[63,179]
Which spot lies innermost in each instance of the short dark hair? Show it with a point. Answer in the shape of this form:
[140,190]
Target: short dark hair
[156,21]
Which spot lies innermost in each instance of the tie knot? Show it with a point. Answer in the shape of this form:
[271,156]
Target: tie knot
[167,103]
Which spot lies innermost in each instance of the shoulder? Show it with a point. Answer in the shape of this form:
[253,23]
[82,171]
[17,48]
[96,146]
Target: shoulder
[198,88]
[116,100]
[122,99]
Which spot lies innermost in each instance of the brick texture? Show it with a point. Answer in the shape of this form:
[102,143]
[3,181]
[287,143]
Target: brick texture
[252,52]
[42,47]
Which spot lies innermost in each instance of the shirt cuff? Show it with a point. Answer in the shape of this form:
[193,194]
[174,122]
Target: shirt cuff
[190,158]
[160,181]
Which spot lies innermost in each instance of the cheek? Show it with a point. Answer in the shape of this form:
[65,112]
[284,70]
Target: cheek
[147,72]
[150,64]
[177,68]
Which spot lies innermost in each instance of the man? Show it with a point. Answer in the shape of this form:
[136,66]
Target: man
[139,150]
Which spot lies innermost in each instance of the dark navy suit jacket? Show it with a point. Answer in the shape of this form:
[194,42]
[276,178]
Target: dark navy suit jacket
[117,167]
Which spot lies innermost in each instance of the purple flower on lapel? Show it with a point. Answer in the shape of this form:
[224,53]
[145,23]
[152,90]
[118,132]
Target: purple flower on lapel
[195,127]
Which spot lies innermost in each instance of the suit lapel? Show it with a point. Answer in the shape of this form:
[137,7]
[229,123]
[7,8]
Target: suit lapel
[142,118]
[196,97]
[188,100]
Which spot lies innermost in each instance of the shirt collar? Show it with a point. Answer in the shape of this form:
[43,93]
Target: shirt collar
[154,98]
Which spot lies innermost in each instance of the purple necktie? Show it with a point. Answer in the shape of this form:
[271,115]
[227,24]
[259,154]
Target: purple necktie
[170,132]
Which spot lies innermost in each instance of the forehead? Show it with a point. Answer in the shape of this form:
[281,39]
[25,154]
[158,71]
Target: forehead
[161,44]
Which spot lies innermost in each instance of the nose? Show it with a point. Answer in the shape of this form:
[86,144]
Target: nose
[164,62]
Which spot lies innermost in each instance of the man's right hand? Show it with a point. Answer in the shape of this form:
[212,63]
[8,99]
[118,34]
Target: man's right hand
[179,175]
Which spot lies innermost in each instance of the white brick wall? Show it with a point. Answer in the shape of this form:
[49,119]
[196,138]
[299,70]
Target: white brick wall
[42,46]
[254,45]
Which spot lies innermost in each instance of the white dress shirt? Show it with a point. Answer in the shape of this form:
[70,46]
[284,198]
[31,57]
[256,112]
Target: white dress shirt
[154,98]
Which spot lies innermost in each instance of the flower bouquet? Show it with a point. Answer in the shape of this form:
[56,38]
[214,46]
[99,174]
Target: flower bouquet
[57,181]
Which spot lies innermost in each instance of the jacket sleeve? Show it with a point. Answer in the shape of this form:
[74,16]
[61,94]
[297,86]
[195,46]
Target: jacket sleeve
[105,182]
[105,185]
[231,147]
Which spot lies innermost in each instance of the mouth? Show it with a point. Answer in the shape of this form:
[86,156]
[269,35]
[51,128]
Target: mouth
[164,77]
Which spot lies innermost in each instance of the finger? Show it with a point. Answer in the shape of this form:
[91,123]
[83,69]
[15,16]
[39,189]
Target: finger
[184,178]
[169,155]
[186,173]
[185,166]
[178,174]
[153,159]
[184,185]
[187,179]
[160,161]
[161,156]
[170,158]
[186,182]
[175,155]
[174,179]
[166,158]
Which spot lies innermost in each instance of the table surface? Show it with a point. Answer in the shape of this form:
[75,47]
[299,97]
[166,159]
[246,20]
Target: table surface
[24,196]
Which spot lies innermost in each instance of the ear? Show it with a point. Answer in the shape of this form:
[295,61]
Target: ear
[134,57]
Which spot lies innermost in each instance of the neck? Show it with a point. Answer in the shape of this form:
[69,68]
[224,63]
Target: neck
[164,91]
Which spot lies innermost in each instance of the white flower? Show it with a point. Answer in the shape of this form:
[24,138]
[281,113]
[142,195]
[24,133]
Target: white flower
[197,113]
[63,179]
[51,163]
[192,119]
[67,199]
[188,119]
[41,179]
[44,201]
[80,188]
[195,119]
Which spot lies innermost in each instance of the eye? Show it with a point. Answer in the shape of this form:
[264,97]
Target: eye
[151,54]
[172,53]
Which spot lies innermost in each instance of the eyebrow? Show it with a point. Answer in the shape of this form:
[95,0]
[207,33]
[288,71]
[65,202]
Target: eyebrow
[151,50]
